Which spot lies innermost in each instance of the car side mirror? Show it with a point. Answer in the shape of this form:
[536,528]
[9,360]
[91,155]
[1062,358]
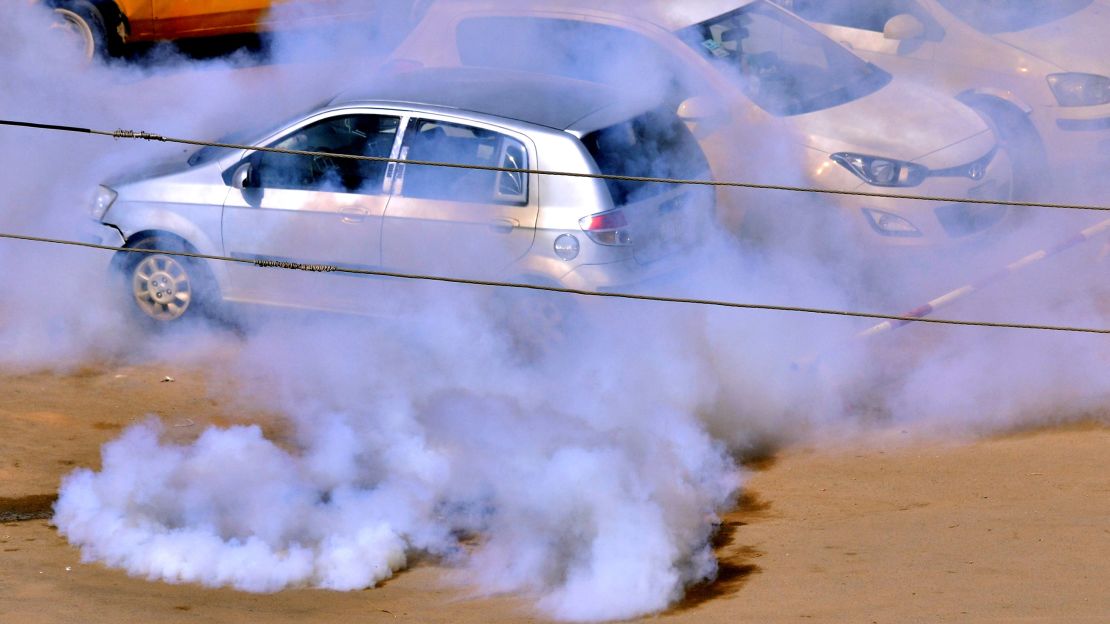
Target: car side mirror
[703,114]
[246,177]
[904,27]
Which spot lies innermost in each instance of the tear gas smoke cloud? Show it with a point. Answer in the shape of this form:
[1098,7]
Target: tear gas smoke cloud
[588,478]
[577,499]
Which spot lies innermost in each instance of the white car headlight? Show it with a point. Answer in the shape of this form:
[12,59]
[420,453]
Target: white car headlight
[1075,89]
[882,171]
[105,197]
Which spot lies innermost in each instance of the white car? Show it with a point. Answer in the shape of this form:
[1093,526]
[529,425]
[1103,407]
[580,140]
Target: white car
[771,101]
[1040,68]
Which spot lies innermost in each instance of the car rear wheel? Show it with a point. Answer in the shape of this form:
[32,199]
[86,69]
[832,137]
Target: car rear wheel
[166,289]
[84,24]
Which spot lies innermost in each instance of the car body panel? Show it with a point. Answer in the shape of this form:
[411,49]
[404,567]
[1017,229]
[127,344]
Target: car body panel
[470,237]
[342,228]
[902,120]
[149,20]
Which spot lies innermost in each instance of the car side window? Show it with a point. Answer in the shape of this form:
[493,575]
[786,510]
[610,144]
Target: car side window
[357,135]
[439,141]
[862,14]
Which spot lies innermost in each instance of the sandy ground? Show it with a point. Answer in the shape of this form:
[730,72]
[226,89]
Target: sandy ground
[1012,529]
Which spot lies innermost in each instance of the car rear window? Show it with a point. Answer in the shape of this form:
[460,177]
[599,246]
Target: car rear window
[654,145]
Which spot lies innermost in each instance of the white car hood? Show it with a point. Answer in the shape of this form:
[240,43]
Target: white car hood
[1079,42]
[902,120]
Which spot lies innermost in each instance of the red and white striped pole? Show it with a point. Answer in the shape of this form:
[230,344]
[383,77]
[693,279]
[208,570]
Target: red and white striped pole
[959,293]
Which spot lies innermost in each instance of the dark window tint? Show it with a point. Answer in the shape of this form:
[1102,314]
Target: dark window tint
[653,145]
[781,63]
[439,141]
[570,48]
[358,135]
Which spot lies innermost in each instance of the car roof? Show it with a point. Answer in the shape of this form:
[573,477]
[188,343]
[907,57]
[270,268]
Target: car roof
[538,99]
[670,14]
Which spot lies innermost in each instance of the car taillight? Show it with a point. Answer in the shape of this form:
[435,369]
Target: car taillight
[607,228]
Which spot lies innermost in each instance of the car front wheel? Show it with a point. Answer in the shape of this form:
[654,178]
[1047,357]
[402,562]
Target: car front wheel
[163,287]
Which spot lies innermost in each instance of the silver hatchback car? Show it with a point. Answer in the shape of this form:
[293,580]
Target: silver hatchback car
[266,207]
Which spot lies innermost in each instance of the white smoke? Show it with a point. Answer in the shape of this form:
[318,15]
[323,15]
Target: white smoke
[590,477]
[593,486]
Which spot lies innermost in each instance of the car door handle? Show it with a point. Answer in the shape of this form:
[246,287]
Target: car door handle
[352,215]
[504,226]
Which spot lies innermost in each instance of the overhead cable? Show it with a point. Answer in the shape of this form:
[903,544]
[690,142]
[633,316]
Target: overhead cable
[316,268]
[147,136]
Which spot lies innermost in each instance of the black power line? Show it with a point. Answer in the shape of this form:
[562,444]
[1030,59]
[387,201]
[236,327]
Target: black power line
[316,268]
[147,136]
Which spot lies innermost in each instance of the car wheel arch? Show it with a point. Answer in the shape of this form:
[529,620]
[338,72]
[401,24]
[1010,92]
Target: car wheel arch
[188,283]
[1010,120]
[995,97]
[215,268]
[154,233]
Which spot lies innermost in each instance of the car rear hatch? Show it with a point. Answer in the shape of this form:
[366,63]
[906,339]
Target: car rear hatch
[661,218]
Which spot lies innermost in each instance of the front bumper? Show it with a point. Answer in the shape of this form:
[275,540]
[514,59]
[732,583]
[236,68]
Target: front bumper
[938,224]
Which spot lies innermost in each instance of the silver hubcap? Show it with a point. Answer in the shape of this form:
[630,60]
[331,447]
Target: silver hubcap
[161,287]
[73,25]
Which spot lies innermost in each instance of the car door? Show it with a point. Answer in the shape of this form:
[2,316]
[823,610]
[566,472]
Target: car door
[310,209]
[457,221]
[860,25]
[189,18]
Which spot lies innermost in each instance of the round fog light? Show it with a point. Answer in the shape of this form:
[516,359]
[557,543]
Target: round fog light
[566,247]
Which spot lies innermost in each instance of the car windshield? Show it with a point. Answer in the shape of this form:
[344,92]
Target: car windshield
[1005,16]
[783,65]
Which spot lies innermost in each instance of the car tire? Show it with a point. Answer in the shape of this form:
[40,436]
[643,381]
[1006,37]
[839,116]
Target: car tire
[87,23]
[163,289]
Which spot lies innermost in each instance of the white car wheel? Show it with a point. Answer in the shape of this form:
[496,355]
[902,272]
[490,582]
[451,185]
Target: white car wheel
[162,287]
[166,289]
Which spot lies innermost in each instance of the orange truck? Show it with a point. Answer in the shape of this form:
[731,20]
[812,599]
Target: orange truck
[105,27]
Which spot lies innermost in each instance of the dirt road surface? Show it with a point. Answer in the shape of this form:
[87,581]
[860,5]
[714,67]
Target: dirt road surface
[1011,529]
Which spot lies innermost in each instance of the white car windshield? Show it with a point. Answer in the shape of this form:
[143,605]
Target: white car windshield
[1005,16]
[783,65]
